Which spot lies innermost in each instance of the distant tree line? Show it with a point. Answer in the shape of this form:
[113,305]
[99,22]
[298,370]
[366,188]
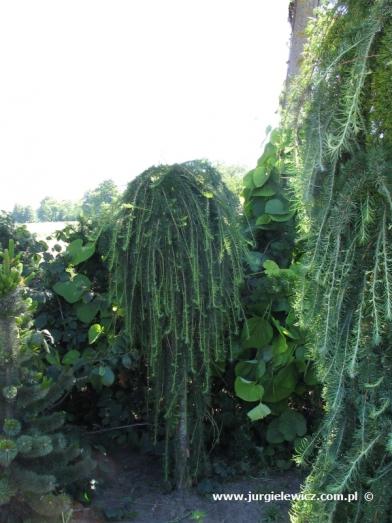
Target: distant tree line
[51,210]
[95,201]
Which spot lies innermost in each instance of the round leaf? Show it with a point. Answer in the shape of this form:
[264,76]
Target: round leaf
[86,312]
[263,219]
[107,376]
[273,434]
[267,190]
[281,385]
[276,206]
[248,180]
[257,333]
[71,357]
[73,290]
[282,217]
[261,176]
[248,390]
[79,252]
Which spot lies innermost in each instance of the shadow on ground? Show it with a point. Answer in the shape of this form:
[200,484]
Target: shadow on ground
[134,493]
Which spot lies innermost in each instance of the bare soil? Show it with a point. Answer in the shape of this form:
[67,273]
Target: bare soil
[134,492]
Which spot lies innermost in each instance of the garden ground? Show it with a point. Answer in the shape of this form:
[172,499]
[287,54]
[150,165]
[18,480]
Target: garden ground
[134,492]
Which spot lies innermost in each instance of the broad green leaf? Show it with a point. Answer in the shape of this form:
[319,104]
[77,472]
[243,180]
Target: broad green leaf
[263,219]
[273,433]
[79,252]
[248,180]
[250,369]
[281,385]
[256,333]
[276,206]
[282,217]
[268,154]
[53,358]
[248,390]
[261,176]
[258,206]
[267,190]
[279,345]
[71,357]
[259,412]
[74,289]
[292,424]
[94,333]
[89,354]
[275,136]
[86,312]
[246,369]
[261,368]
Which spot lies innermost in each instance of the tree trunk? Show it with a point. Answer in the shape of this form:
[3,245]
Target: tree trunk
[8,352]
[182,451]
[299,13]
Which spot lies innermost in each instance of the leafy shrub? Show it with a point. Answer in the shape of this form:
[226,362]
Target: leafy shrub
[71,293]
[274,372]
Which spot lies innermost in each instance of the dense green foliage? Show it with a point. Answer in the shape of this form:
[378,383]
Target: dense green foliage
[37,461]
[176,261]
[273,366]
[71,293]
[341,118]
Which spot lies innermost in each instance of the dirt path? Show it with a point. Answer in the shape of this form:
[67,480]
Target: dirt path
[135,493]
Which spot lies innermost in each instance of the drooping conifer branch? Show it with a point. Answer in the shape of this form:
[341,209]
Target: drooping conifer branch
[342,180]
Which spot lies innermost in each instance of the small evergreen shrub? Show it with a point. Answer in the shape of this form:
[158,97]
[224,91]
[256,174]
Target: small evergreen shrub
[37,459]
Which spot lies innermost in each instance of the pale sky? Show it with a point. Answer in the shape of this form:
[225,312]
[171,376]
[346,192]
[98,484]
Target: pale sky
[98,89]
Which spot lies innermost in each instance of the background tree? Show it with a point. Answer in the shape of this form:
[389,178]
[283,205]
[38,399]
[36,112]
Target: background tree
[23,214]
[232,176]
[51,210]
[104,195]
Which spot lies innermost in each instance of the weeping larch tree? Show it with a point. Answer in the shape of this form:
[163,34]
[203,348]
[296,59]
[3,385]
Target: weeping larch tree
[341,113]
[176,264]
